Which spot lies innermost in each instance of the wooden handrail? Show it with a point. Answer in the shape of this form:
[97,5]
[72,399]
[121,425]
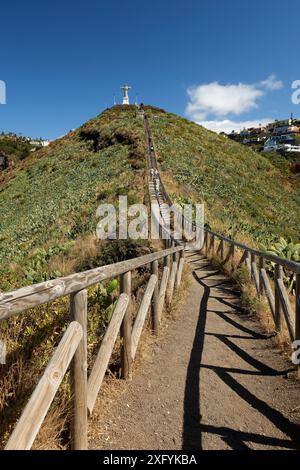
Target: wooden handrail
[142,313]
[20,300]
[36,409]
[279,301]
[162,291]
[288,264]
[286,308]
[102,360]
[73,347]
[268,291]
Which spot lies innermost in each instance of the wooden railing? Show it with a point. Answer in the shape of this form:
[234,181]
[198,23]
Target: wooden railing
[273,289]
[72,349]
[256,262]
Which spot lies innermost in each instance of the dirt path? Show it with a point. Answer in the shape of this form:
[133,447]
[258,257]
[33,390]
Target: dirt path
[215,381]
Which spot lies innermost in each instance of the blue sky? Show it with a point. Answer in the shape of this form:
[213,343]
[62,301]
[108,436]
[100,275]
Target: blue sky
[211,61]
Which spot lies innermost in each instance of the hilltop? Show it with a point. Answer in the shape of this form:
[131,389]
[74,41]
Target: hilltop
[49,200]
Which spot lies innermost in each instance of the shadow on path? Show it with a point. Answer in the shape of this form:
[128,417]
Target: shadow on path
[192,427]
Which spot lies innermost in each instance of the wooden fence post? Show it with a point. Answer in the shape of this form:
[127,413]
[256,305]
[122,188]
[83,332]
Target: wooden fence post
[78,313]
[180,269]
[166,262]
[278,308]
[154,304]
[232,252]
[297,315]
[162,291]
[171,283]
[248,262]
[213,245]
[222,250]
[252,261]
[262,265]
[170,261]
[126,328]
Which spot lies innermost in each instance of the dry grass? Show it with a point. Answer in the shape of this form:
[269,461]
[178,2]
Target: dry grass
[56,424]
[84,249]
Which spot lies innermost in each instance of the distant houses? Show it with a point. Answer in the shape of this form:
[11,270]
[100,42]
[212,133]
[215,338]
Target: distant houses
[282,136]
[39,143]
[34,142]
[289,126]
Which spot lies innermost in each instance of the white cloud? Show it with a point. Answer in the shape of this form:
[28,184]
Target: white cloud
[220,100]
[271,83]
[227,125]
[217,100]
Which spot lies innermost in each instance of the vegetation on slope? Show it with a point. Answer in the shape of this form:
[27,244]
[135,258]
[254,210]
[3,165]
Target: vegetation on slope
[248,196]
[48,219]
[48,205]
[48,202]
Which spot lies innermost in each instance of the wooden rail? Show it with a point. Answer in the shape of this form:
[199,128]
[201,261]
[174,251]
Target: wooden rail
[36,409]
[12,303]
[278,298]
[254,260]
[72,349]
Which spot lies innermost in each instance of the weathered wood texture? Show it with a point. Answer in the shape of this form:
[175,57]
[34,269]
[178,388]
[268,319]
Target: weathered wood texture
[255,276]
[247,261]
[126,327]
[262,266]
[243,259]
[14,302]
[154,302]
[36,409]
[142,314]
[179,272]
[286,307]
[278,306]
[102,360]
[268,291]
[171,286]
[162,291]
[78,312]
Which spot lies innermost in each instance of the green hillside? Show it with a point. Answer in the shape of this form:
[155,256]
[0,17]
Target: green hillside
[48,202]
[48,205]
[252,197]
